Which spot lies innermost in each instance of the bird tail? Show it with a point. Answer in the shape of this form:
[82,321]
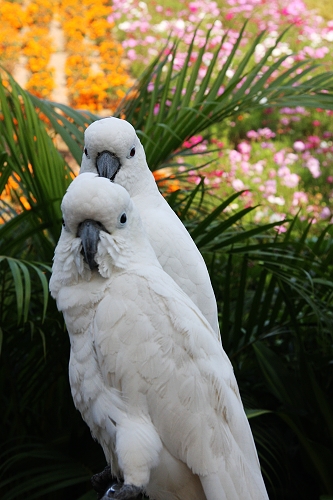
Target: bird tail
[248,486]
[213,488]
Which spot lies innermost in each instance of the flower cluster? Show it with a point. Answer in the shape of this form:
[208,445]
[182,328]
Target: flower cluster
[145,39]
[37,47]
[13,19]
[284,178]
[96,70]
[283,162]
[24,31]
[97,75]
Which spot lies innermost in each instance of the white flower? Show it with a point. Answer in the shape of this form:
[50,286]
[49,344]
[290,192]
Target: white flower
[143,6]
[124,26]
[276,200]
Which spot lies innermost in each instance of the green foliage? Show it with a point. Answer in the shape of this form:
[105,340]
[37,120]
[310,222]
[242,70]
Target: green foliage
[187,105]
[274,291]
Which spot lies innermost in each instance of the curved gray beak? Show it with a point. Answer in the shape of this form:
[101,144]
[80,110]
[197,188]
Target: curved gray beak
[107,164]
[88,232]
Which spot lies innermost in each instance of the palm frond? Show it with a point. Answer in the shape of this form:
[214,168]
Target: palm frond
[48,471]
[182,105]
[16,279]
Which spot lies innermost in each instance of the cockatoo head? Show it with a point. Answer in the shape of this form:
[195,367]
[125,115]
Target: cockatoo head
[101,227]
[113,150]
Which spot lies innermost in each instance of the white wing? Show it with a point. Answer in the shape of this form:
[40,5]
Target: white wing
[174,374]
[178,254]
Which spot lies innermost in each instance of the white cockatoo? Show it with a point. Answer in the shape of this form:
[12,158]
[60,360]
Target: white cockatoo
[147,373]
[113,150]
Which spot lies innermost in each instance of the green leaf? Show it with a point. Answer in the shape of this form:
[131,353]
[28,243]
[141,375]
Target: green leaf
[276,375]
[255,413]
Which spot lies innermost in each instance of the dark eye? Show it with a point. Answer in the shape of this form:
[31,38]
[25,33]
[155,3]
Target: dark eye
[86,152]
[123,218]
[63,222]
[132,152]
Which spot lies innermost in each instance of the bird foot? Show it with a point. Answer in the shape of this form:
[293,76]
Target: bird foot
[106,487]
[102,482]
[122,492]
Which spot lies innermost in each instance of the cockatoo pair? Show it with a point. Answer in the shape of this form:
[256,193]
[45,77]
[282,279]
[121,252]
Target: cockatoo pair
[147,369]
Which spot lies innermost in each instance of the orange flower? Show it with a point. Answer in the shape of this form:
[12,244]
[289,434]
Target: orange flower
[25,203]
[96,74]
[165,178]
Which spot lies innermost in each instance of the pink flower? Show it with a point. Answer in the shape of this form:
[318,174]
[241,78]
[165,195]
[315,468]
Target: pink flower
[244,148]
[235,156]
[279,157]
[149,39]
[266,133]
[131,54]
[285,121]
[192,141]
[313,165]
[259,167]
[130,43]
[283,171]
[245,166]
[325,213]
[313,141]
[287,111]
[291,180]
[321,52]
[299,146]
[252,134]
[281,229]
[267,145]
[270,187]
[299,197]
[291,158]
[238,185]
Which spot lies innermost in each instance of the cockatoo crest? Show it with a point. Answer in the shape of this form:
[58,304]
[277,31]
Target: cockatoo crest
[116,140]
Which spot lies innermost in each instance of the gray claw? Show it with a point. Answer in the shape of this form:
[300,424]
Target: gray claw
[102,480]
[122,492]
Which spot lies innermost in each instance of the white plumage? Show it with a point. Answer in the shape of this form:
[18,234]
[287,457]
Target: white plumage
[174,248]
[148,376]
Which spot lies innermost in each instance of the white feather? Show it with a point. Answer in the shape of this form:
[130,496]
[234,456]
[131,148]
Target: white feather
[147,374]
[170,240]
